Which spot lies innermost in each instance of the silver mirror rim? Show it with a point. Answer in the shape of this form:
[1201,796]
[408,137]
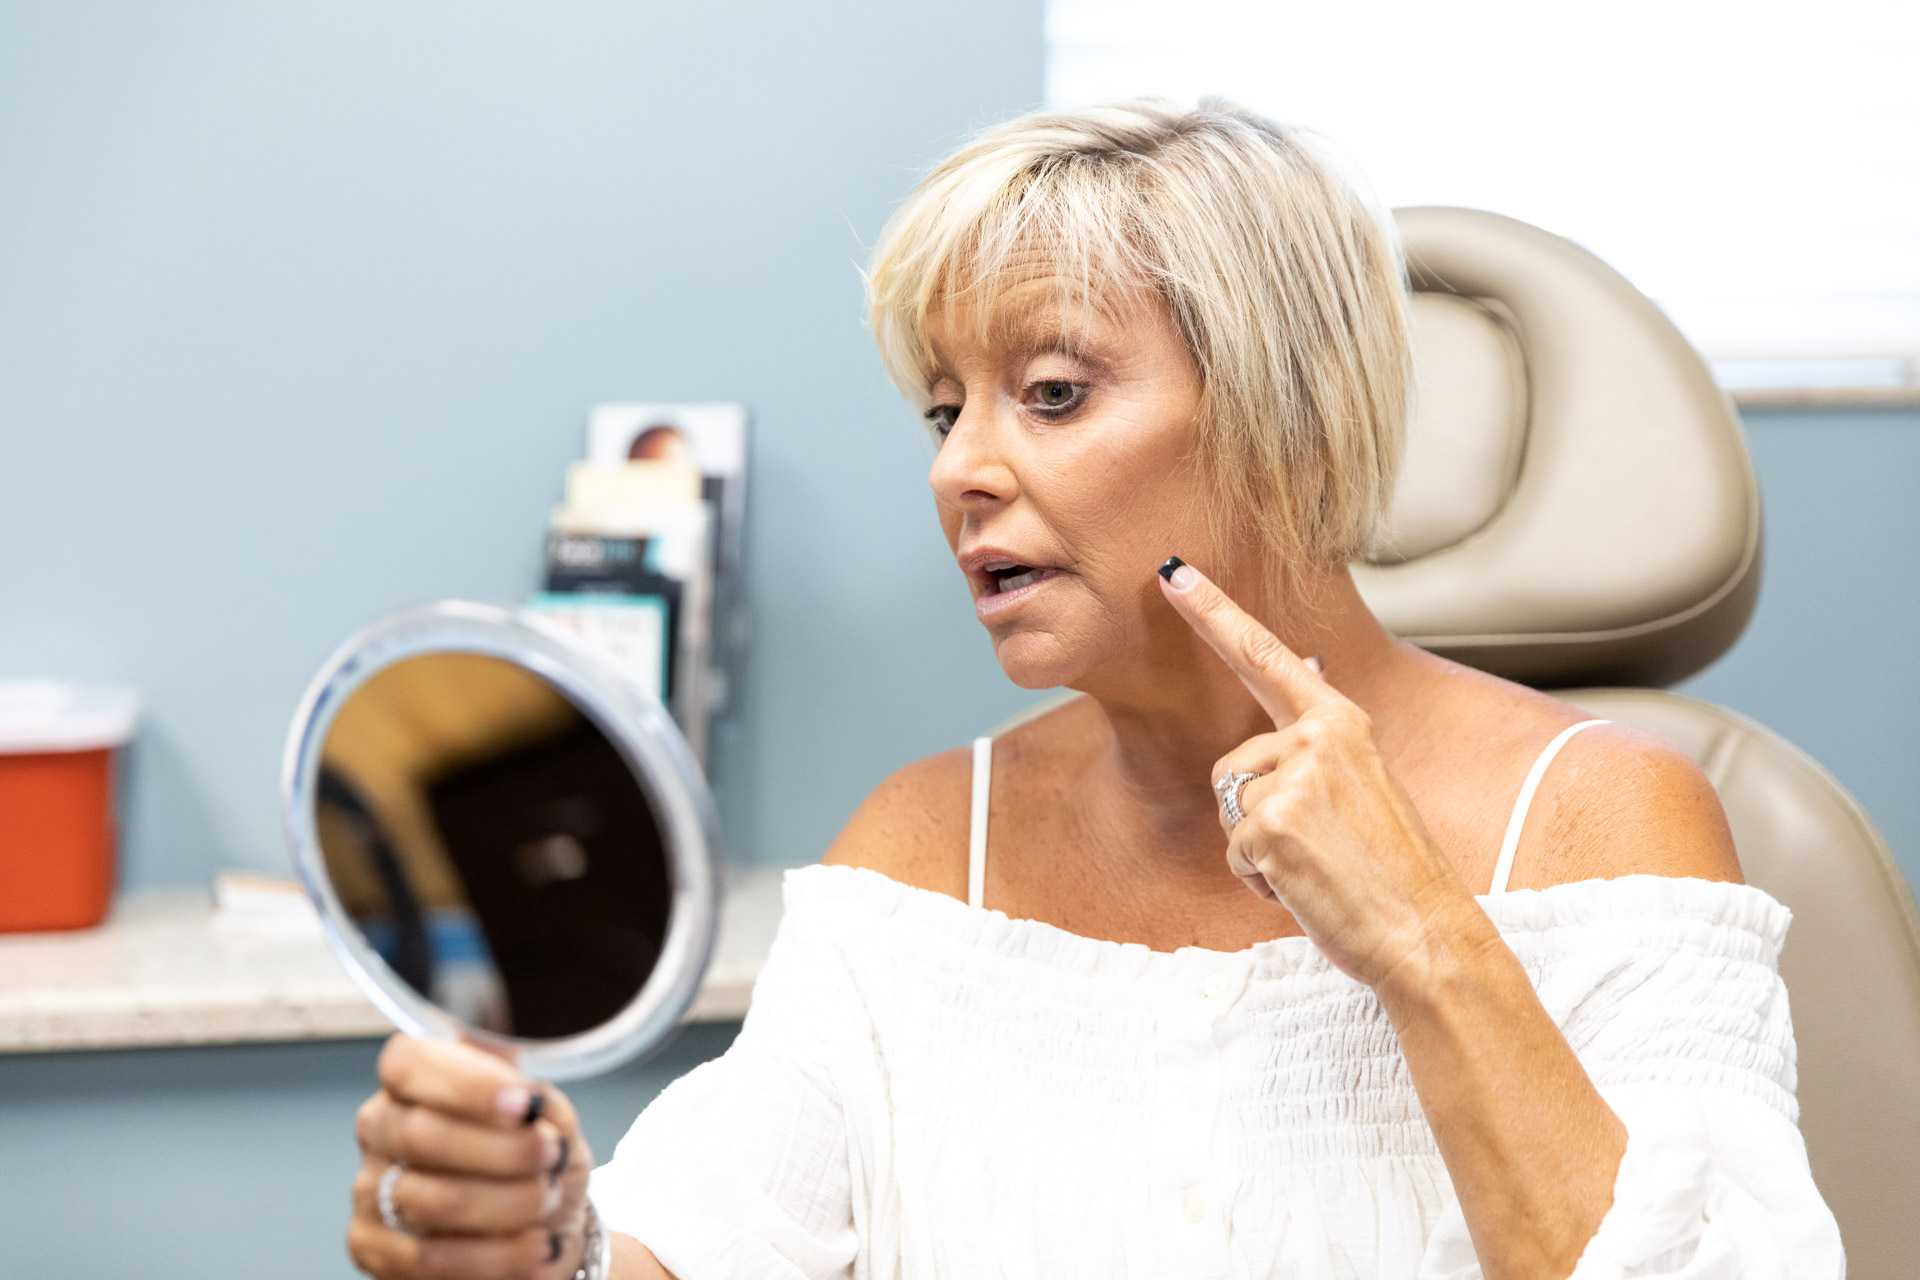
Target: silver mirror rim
[646,738]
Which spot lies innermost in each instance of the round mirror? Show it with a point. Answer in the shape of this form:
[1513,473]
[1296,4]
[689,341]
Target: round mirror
[507,840]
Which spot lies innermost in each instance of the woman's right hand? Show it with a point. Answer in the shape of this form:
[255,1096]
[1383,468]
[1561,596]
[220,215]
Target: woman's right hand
[493,1183]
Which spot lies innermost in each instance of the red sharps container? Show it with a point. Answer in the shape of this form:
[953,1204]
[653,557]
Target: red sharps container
[57,833]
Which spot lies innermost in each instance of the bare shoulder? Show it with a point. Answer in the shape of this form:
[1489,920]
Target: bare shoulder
[1620,801]
[1615,801]
[913,827]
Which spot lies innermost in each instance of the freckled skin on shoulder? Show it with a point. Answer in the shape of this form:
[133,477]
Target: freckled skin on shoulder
[913,825]
[1621,801]
[1616,800]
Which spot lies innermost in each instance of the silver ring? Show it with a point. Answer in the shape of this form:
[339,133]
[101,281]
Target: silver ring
[1228,789]
[389,1211]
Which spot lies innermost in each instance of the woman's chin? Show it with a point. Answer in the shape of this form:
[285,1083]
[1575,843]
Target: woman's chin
[1039,660]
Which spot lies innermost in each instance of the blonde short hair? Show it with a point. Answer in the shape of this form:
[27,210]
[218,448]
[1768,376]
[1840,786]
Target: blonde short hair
[1286,284]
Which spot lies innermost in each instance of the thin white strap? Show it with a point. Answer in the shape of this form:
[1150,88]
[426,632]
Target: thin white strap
[1504,868]
[977,827]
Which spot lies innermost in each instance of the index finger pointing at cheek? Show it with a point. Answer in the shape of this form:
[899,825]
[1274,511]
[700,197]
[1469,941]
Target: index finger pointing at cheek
[1283,684]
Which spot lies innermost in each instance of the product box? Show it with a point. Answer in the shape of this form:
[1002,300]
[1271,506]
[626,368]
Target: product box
[629,568]
[712,438]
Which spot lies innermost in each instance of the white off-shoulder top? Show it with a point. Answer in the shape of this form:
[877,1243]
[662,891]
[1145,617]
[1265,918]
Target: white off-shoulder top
[925,1089]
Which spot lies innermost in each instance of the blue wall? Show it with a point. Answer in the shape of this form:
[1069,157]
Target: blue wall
[1832,657]
[302,307]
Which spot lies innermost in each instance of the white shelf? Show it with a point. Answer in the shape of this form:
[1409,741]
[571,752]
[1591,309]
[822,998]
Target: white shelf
[158,973]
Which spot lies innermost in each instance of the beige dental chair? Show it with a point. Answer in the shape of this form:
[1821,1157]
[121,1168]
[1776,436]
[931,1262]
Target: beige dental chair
[1577,512]
[1578,509]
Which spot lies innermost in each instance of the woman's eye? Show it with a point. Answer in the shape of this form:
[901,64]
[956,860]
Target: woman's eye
[1056,396]
[942,417]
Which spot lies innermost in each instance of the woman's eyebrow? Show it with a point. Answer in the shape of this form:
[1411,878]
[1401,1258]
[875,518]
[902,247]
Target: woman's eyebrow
[1073,327]
[940,378]
[1024,334]
[1068,347]
[1030,336]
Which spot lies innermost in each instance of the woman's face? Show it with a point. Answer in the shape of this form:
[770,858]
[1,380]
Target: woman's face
[1068,470]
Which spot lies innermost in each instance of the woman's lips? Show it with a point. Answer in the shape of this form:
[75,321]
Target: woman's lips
[992,604]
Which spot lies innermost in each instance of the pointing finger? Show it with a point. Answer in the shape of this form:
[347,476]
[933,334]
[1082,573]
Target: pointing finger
[1283,684]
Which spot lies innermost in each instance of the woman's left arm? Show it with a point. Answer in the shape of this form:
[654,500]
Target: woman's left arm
[1532,1148]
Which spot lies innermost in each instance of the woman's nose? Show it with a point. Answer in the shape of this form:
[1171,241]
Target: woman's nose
[970,472]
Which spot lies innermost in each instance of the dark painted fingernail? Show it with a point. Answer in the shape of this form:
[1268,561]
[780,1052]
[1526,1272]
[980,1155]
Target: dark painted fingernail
[560,1165]
[553,1246]
[1319,667]
[1173,562]
[536,1107]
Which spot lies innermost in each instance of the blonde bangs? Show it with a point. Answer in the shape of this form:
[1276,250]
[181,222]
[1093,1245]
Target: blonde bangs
[952,244]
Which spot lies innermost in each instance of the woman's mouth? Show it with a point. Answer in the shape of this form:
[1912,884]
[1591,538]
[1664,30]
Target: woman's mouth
[1007,584]
[1014,577]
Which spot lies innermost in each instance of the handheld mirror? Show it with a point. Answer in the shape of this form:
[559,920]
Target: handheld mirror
[507,840]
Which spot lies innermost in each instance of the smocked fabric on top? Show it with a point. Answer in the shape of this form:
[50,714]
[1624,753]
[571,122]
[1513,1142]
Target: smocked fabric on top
[927,1089]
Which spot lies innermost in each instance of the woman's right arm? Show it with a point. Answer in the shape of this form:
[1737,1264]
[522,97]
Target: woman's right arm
[491,1182]
[467,1169]
[739,1167]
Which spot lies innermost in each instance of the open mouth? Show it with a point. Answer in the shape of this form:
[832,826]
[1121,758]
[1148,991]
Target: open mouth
[1011,577]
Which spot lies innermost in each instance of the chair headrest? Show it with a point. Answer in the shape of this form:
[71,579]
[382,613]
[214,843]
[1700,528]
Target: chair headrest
[1576,505]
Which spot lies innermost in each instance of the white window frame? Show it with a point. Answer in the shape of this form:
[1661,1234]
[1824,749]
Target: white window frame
[1760,124]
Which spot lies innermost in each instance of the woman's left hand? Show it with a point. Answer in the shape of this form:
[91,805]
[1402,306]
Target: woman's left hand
[1531,1148]
[1328,830]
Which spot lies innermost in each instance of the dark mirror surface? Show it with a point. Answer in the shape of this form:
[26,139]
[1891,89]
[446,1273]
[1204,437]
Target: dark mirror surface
[492,845]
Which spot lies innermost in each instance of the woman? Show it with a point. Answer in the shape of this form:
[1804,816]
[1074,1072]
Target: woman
[1460,1026]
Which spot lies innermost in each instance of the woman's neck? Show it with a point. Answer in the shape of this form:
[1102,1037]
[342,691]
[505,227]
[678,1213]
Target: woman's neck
[1166,727]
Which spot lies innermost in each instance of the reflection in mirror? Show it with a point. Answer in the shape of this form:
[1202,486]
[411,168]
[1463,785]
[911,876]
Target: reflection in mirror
[492,845]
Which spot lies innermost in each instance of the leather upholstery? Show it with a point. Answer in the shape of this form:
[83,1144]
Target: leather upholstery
[1626,547]
[1469,428]
[1851,961]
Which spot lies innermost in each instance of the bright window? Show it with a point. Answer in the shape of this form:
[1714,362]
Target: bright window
[1754,167]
